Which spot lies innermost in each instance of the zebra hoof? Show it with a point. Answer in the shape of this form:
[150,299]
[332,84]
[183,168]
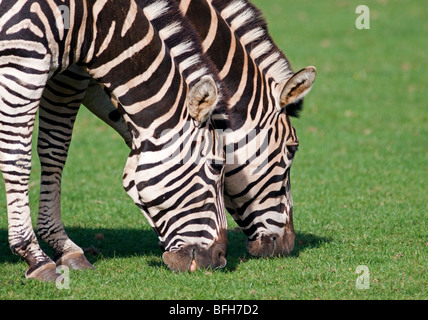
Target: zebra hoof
[75,261]
[44,271]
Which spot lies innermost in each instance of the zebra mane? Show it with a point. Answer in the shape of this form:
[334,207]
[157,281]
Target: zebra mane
[185,47]
[251,29]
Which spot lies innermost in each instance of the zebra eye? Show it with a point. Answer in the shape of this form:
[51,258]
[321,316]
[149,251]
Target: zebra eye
[291,151]
[216,166]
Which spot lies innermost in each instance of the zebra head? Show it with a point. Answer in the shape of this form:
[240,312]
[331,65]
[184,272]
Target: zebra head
[260,140]
[178,183]
[175,171]
[257,190]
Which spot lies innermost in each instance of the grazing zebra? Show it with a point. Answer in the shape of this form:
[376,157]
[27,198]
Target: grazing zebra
[118,46]
[265,93]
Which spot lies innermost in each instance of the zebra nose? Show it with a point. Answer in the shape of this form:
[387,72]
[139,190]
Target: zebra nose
[213,257]
[263,246]
[179,260]
[271,245]
[194,257]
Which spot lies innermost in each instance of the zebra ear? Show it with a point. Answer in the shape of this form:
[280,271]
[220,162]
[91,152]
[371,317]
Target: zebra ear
[202,99]
[297,86]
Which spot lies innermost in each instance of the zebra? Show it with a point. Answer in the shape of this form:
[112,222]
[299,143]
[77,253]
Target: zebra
[265,94]
[119,47]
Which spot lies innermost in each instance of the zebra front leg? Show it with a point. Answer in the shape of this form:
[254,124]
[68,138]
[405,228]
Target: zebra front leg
[22,239]
[21,87]
[15,164]
[58,109]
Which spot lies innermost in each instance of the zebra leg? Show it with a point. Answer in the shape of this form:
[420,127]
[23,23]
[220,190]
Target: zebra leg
[22,239]
[58,110]
[17,117]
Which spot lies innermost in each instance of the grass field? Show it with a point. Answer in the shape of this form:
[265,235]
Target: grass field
[359,180]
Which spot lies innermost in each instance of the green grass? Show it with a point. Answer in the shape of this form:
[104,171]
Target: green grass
[358,182]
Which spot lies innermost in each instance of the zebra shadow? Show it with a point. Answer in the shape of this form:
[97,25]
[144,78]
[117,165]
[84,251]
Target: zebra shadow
[98,243]
[109,243]
[237,251]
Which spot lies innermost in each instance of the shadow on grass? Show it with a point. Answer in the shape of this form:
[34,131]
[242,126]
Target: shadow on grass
[237,251]
[104,243]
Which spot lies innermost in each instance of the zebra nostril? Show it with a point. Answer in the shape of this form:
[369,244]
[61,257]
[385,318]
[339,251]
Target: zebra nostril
[220,261]
[275,245]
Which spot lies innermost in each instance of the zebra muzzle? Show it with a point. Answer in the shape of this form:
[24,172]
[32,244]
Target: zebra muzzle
[194,257]
[271,245]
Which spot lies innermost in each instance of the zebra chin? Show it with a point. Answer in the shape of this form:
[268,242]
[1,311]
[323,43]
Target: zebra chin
[194,256]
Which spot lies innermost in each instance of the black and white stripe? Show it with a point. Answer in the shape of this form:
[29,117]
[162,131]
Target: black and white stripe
[261,142]
[265,93]
[119,47]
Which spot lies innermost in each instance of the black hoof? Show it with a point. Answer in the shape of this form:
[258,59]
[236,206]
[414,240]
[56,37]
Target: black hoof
[74,260]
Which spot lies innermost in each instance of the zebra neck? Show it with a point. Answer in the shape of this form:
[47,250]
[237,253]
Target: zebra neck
[250,64]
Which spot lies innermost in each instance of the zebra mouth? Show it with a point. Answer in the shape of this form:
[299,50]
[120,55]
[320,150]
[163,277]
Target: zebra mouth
[265,246]
[194,257]
[271,245]
[180,260]
[193,265]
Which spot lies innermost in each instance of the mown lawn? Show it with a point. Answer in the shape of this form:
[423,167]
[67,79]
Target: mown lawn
[359,179]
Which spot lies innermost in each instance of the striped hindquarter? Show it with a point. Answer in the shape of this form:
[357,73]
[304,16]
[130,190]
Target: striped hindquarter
[182,200]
